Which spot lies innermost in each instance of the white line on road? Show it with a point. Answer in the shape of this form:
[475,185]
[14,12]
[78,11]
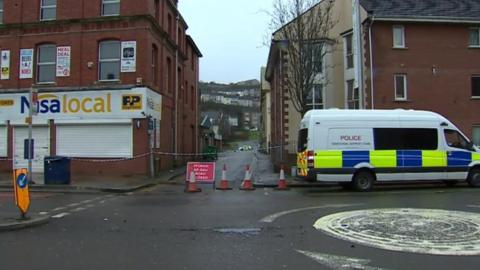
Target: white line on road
[78,209]
[339,262]
[61,215]
[473,206]
[73,204]
[43,213]
[272,218]
[59,209]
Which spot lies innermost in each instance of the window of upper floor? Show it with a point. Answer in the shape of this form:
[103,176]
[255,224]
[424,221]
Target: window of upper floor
[398,36]
[170,25]
[110,7]
[400,87]
[109,60]
[1,11]
[315,98]
[155,65]
[48,10]
[312,54]
[348,39]
[156,5]
[353,96]
[475,37]
[476,86]
[46,63]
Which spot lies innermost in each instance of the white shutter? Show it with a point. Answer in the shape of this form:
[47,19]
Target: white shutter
[105,140]
[41,144]
[3,141]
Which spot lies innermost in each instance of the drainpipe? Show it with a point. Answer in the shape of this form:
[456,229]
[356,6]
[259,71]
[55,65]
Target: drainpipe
[372,89]
[176,85]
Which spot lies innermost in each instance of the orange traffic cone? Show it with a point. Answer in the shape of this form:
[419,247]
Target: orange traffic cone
[282,183]
[224,181]
[247,183]
[192,184]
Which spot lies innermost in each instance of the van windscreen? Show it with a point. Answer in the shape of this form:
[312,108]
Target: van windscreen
[302,139]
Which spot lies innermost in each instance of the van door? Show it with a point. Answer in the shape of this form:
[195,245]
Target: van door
[459,154]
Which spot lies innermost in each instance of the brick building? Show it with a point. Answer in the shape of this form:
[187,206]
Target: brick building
[116,79]
[418,54]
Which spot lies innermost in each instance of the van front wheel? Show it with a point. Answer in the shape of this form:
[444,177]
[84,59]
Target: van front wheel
[474,177]
[363,181]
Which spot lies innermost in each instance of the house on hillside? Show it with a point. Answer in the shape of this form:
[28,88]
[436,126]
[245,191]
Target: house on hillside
[414,55]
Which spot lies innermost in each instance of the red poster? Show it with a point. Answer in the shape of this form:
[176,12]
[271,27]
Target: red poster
[204,171]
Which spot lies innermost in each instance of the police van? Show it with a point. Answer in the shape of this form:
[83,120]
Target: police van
[359,148]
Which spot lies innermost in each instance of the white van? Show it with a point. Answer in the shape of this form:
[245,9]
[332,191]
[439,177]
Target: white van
[360,147]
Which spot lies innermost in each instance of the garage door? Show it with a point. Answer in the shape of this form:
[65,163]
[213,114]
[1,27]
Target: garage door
[41,145]
[3,141]
[97,141]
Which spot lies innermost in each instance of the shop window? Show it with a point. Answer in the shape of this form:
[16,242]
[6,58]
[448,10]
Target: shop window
[48,10]
[400,87]
[474,37]
[46,63]
[110,7]
[109,60]
[398,36]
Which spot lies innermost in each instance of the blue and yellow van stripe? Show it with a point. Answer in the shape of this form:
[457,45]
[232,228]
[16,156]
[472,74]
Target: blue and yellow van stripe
[394,159]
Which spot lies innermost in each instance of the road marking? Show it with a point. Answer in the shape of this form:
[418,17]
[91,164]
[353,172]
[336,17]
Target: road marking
[61,215]
[473,206]
[59,209]
[86,201]
[43,213]
[339,262]
[78,209]
[272,218]
[74,204]
[102,201]
[423,231]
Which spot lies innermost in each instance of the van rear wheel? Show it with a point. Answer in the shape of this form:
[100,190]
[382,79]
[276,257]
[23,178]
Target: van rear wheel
[474,177]
[363,181]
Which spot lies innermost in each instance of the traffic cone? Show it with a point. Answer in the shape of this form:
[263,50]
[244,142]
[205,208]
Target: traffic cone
[224,181]
[247,183]
[282,183]
[192,184]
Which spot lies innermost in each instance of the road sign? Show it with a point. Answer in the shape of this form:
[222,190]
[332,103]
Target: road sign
[22,193]
[204,171]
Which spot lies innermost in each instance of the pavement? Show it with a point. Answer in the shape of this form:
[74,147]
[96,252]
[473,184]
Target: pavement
[10,217]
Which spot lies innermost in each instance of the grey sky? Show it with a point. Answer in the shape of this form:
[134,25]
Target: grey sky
[230,36]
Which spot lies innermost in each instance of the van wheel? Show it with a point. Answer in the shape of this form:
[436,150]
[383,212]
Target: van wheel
[363,181]
[474,177]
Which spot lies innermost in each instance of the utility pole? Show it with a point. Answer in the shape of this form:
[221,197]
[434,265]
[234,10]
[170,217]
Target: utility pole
[358,63]
[33,98]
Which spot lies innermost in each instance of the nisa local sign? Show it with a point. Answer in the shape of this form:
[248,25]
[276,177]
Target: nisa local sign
[109,104]
[55,104]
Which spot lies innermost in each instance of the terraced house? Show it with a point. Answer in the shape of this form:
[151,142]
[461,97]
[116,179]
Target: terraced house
[116,80]
[415,54]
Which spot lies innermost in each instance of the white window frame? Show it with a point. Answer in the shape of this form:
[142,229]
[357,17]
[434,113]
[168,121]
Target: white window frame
[107,61]
[108,2]
[4,152]
[353,100]
[405,90]
[478,41]
[318,106]
[54,63]
[42,7]
[402,29]
[349,35]
[1,11]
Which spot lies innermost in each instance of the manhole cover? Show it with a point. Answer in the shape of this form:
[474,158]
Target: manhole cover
[427,231]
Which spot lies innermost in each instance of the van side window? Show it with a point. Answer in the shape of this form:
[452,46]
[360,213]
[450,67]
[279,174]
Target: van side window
[405,138]
[456,140]
[302,139]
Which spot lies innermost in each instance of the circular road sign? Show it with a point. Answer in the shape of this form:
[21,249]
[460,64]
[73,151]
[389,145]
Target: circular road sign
[22,180]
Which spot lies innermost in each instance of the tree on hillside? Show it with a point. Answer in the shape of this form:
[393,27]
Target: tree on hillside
[301,29]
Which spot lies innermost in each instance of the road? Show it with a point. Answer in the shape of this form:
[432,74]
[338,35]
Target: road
[164,228]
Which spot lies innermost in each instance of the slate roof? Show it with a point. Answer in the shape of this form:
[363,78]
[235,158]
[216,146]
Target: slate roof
[452,10]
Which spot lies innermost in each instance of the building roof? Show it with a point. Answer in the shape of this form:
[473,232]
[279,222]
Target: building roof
[442,10]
